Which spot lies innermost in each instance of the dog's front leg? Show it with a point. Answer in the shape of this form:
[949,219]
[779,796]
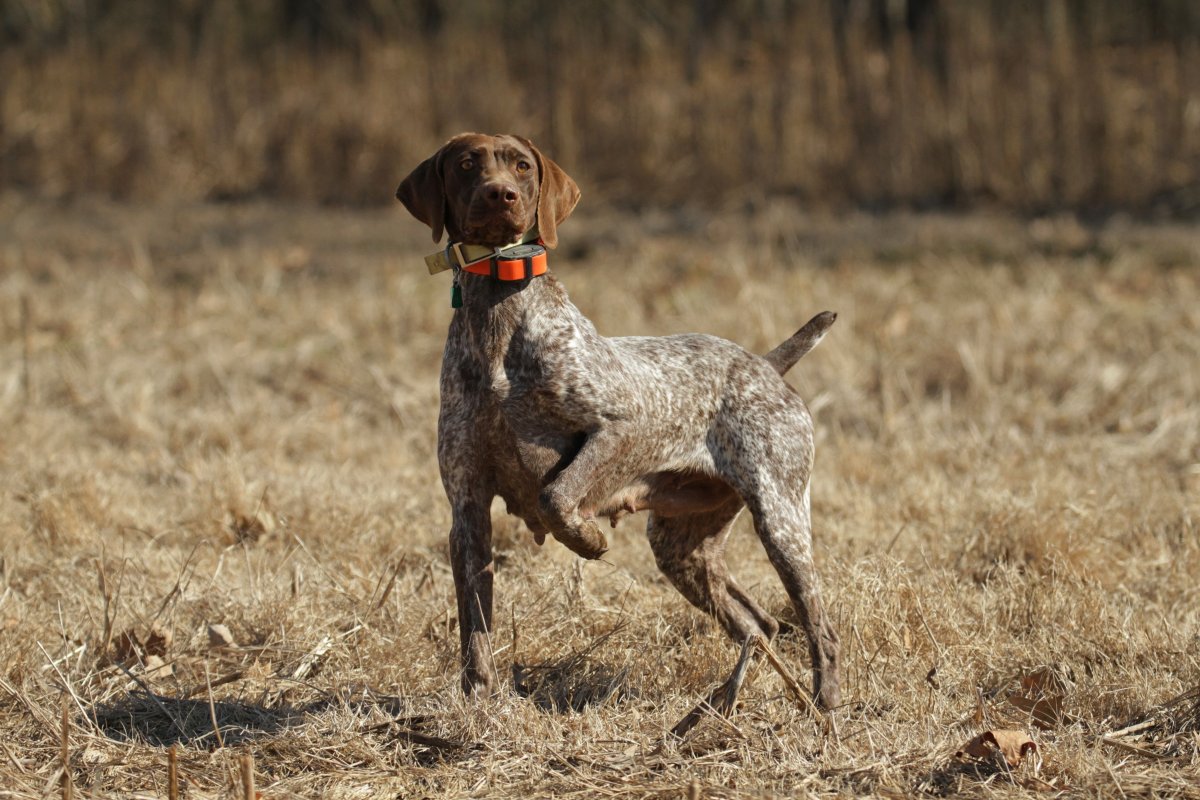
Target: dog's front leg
[590,473]
[471,561]
[467,479]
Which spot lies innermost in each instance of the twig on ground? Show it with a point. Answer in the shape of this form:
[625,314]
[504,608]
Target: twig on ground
[247,762]
[722,699]
[68,787]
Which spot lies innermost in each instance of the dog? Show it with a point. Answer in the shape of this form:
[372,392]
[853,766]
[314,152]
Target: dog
[569,426]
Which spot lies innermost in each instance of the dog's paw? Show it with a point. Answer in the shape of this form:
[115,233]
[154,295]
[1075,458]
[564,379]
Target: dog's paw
[585,540]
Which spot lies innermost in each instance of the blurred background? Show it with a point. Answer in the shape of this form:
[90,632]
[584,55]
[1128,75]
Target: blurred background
[1022,105]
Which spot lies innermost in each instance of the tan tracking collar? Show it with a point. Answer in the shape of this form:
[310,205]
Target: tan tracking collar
[458,255]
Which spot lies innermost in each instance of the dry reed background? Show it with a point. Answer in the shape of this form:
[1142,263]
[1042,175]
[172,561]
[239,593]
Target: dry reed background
[1027,104]
[228,413]
[223,414]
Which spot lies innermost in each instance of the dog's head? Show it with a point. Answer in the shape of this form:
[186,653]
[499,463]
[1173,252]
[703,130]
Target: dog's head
[489,190]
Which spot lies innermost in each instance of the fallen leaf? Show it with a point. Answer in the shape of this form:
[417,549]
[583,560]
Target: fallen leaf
[1013,745]
[129,646]
[259,670]
[219,636]
[157,668]
[158,641]
[1045,712]
[252,527]
[1044,681]
[249,529]
[1043,692]
[897,324]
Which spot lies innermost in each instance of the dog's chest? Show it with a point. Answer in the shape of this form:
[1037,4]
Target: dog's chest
[538,363]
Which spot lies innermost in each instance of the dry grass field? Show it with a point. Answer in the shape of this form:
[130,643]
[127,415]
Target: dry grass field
[224,416]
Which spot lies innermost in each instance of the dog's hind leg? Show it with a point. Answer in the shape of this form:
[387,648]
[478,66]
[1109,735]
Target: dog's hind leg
[690,551]
[785,529]
[772,477]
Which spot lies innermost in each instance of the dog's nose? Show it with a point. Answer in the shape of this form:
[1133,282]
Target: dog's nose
[500,193]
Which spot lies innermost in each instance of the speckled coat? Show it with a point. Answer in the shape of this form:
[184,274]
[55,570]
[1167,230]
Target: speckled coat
[568,426]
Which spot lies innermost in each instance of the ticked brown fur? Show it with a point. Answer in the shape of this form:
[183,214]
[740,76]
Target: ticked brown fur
[568,426]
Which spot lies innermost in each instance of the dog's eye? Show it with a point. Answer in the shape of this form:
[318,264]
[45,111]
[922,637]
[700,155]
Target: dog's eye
[466,164]
[523,166]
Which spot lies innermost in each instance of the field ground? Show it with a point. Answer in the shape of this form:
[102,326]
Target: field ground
[224,415]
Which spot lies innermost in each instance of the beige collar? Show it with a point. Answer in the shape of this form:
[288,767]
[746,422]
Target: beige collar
[458,255]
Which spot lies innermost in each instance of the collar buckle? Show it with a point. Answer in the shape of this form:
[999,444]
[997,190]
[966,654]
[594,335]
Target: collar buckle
[459,260]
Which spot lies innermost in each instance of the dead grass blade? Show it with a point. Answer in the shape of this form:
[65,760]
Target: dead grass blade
[212,710]
[789,680]
[208,686]
[247,770]
[723,699]
[1137,751]
[68,785]
[172,773]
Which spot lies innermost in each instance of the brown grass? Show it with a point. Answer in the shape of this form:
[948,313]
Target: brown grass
[225,415]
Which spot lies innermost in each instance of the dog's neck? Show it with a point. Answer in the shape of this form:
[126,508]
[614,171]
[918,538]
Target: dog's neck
[485,296]
[493,309]
[511,325]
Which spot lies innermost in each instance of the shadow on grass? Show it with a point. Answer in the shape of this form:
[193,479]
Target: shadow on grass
[161,721]
[570,684]
[574,682]
[960,776]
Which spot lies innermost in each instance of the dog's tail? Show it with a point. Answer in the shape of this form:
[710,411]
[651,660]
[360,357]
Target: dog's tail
[785,356]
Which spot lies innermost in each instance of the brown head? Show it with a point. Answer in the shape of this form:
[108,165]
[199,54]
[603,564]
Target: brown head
[489,190]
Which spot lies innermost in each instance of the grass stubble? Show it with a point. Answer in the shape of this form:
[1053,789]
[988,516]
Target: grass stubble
[225,416]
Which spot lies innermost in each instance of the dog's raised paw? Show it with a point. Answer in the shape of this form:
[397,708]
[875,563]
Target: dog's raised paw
[585,540]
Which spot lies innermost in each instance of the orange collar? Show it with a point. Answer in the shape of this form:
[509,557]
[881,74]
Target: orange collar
[518,263]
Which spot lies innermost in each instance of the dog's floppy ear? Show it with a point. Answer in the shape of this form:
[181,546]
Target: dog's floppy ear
[424,194]
[557,196]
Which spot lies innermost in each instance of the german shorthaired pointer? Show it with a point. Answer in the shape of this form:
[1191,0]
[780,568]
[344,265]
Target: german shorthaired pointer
[567,425]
